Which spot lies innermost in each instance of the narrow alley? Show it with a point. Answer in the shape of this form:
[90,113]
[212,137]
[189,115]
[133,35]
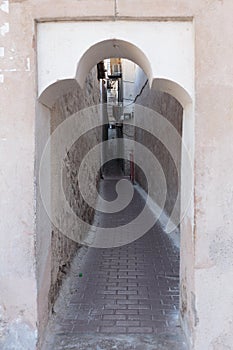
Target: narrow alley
[120,298]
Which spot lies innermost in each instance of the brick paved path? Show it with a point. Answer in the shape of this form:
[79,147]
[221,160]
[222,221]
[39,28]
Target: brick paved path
[127,298]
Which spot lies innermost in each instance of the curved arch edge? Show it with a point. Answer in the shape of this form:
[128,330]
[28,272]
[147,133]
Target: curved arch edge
[111,48]
[174,89]
[52,93]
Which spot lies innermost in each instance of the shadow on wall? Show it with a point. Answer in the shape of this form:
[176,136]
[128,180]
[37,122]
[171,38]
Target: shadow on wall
[171,109]
[63,248]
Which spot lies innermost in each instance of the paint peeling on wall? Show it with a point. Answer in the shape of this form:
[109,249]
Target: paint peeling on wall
[5,6]
[193,302]
[26,69]
[28,65]
[4,29]
[2,51]
[9,70]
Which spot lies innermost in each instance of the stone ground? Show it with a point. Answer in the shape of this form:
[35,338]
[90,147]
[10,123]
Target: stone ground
[127,297]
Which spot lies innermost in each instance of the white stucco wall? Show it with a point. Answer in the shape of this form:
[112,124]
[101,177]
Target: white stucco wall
[62,45]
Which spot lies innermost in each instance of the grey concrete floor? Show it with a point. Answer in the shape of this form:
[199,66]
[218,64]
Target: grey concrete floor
[127,297]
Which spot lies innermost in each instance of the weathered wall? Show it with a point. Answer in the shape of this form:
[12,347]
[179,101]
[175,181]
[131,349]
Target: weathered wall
[169,108]
[62,247]
[54,249]
[209,267]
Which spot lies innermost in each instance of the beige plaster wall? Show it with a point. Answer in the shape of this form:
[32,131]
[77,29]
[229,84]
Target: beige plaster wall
[210,318]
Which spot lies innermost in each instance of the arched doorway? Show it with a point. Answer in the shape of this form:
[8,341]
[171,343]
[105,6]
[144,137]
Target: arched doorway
[122,48]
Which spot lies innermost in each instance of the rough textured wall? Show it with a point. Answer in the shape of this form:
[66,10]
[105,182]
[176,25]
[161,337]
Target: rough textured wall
[62,247]
[171,109]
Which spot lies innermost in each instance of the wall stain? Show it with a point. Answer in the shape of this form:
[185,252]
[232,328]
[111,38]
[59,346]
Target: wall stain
[193,305]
